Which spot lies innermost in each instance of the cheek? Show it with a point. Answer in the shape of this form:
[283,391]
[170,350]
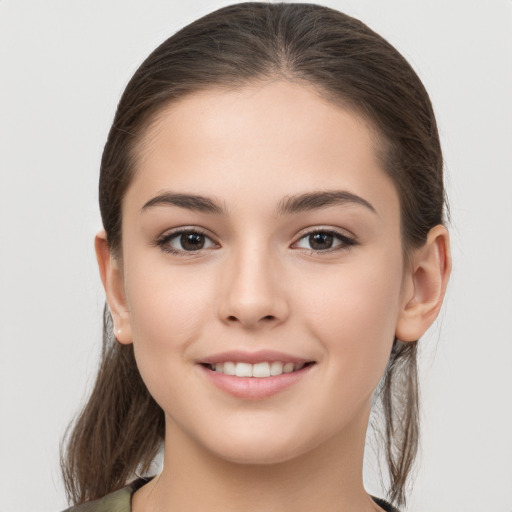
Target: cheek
[164,311]
[354,316]
[168,311]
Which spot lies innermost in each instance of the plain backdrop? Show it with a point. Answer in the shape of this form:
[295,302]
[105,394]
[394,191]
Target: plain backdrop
[64,64]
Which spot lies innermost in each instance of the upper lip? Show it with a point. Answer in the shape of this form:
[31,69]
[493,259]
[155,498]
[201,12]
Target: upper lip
[259,356]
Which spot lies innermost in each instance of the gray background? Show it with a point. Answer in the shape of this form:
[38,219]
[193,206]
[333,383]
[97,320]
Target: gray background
[64,64]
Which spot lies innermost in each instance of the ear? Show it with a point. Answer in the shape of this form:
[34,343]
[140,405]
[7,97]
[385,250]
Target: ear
[425,285]
[112,279]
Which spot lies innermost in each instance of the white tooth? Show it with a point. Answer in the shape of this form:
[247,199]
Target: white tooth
[288,368]
[219,367]
[298,366]
[229,368]
[276,368]
[243,370]
[261,370]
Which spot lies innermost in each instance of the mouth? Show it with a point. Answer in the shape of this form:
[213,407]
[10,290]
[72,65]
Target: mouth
[258,370]
[255,375]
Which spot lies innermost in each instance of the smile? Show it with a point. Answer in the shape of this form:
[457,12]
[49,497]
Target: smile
[258,370]
[257,375]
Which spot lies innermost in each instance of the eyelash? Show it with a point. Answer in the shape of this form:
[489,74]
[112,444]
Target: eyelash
[345,241]
[163,241]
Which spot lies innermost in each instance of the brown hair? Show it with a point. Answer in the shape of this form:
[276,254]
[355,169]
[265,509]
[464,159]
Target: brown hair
[121,427]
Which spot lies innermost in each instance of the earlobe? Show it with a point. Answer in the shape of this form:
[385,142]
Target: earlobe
[112,279]
[426,286]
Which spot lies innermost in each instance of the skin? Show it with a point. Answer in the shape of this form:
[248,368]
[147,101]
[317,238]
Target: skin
[259,284]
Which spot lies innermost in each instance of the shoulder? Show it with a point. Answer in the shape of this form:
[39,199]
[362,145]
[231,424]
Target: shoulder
[118,501]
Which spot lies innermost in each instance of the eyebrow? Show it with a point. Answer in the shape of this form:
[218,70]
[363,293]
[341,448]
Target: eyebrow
[316,200]
[289,205]
[189,201]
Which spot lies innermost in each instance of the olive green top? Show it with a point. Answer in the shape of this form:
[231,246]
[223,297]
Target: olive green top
[121,501]
[117,501]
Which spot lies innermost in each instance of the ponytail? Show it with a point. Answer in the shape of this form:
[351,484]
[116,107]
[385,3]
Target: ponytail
[122,427]
[118,432]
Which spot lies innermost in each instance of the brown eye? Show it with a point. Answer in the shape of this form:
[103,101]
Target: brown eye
[192,241]
[318,241]
[184,241]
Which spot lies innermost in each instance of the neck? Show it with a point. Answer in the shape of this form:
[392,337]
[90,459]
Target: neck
[327,478]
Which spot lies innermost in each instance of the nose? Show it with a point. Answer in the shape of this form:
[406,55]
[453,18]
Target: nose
[253,294]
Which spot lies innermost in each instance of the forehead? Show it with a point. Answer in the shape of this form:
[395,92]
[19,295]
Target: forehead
[272,138]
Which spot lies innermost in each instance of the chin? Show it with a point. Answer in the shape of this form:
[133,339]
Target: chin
[255,456]
[259,449]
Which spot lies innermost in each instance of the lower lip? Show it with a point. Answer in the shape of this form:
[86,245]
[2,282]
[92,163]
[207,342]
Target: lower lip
[254,388]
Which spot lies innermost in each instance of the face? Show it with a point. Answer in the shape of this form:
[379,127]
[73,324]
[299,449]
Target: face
[261,237]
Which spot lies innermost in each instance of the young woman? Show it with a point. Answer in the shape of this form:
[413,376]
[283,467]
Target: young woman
[273,249]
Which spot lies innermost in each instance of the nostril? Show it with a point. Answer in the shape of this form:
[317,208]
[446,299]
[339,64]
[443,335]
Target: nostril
[266,318]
